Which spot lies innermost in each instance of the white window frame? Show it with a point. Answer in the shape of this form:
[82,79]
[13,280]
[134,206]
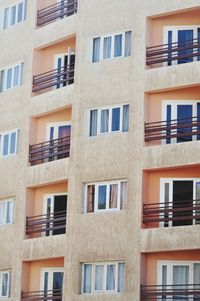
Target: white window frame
[24,12]
[107,184]
[8,272]
[50,271]
[9,141]
[6,201]
[170,265]
[56,126]
[175,30]
[174,104]
[170,182]
[112,35]
[109,108]
[20,76]
[104,264]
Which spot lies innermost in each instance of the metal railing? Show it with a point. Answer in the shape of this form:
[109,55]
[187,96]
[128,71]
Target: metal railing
[53,295]
[49,151]
[46,222]
[187,292]
[178,51]
[183,128]
[55,78]
[170,211]
[56,11]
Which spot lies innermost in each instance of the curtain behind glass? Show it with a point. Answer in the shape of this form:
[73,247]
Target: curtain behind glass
[107,48]
[87,278]
[2,212]
[104,121]
[180,278]
[125,125]
[90,198]
[123,196]
[96,50]
[110,282]
[118,45]
[121,277]
[128,43]
[9,212]
[197,202]
[113,196]
[99,272]
[93,122]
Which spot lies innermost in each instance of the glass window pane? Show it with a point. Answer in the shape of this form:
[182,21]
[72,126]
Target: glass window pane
[13,143]
[6,18]
[115,119]
[87,278]
[5,144]
[20,12]
[9,78]
[118,45]
[121,277]
[2,212]
[113,196]
[128,43]
[93,122]
[125,125]
[25,9]
[111,274]
[13,15]
[5,285]
[16,76]
[99,271]
[107,47]
[21,73]
[2,83]
[46,280]
[9,212]
[104,121]
[102,197]
[96,50]
[90,198]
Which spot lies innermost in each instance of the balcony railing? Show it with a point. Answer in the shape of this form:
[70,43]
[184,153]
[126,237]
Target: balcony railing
[187,292]
[49,151]
[185,212]
[55,78]
[52,295]
[46,222]
[184,129]
[56,11]
[182,52]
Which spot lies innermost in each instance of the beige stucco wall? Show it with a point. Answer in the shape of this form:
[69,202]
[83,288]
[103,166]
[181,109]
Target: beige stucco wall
[94,237]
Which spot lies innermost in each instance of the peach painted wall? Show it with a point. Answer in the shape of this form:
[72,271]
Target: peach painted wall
[150,262]
[44,58]
[153,103]
[42,122]
[44,3]
[155,30]
[35,271]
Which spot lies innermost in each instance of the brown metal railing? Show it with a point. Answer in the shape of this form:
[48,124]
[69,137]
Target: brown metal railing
[46,222]
[56,11]
[52,295]
[57,77]
[49,151]
[187,292]
[178,51]
[164,212]
[176,128]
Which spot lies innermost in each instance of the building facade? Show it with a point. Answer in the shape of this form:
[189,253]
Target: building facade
[99,150]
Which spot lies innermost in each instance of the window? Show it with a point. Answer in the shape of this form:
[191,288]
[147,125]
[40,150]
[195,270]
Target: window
[9,143]
[11,77]
[103,277]
[7,212]
[111,46]
[105,196]
[109,120]
[14,14]
[4,284]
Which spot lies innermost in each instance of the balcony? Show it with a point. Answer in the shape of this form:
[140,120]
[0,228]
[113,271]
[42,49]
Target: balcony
[64,8]
[182,129]
[49,150]
[177,52]
[63,76]
[52,295]
[184,213]
[170,292]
